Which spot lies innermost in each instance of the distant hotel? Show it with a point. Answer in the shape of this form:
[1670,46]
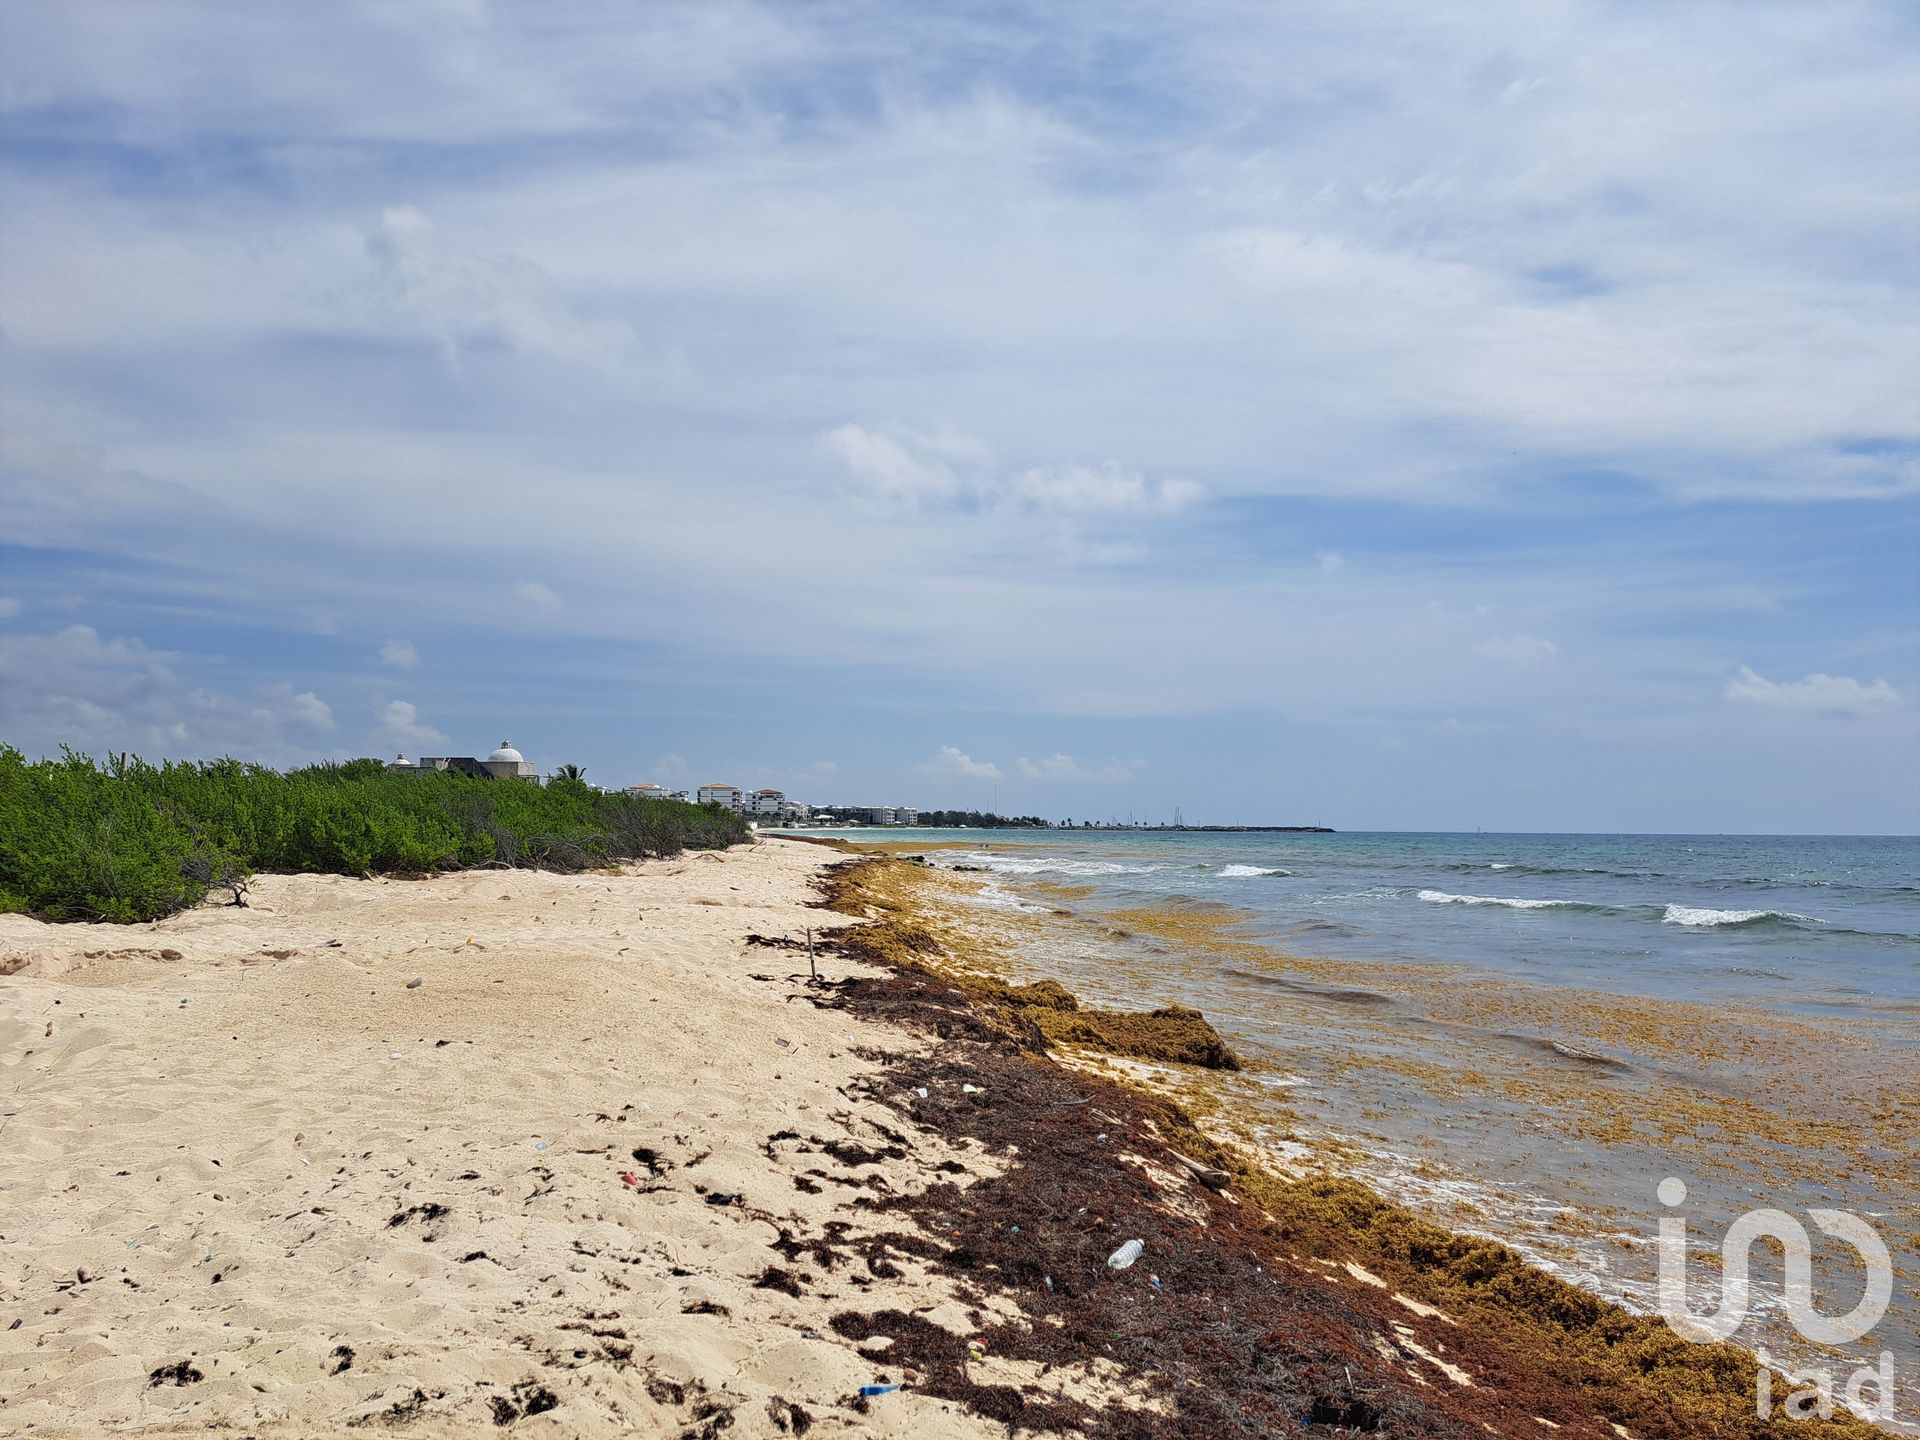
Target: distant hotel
[647,790]
[772,805]
[507,763]
[869,815]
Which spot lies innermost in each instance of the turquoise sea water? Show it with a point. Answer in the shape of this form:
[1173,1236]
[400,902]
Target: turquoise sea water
[1808,923]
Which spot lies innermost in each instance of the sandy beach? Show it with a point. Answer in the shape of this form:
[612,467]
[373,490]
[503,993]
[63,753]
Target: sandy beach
[241,1148]
[591,1155]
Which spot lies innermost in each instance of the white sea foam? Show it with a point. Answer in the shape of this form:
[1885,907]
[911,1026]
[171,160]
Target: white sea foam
[1240,872]
[1501,865]
[1695,915]
[1441,897]
[992,897]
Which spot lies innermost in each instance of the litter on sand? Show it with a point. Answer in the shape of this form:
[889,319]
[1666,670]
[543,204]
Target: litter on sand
[870,1390]
[1126,1254]
[415,983]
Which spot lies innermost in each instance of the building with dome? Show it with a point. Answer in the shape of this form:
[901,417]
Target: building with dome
[506,763]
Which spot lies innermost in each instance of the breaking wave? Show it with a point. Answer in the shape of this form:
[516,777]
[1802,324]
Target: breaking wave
[1240,872]
[1441,897]
[1700,916]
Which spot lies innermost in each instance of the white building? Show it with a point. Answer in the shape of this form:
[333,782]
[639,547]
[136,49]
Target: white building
[906,815]
[647,790]
[506,763]
[766,804]
[718,794]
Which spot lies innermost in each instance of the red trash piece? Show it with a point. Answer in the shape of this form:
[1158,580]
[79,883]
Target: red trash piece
[628,1177]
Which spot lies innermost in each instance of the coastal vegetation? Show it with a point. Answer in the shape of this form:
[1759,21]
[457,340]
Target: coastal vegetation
[130,841]
[980,820]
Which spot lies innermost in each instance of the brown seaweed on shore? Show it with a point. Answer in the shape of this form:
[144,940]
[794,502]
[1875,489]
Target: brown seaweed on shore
[1172,1033]
[1270,1307]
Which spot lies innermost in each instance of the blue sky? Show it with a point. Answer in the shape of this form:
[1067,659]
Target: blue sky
[1386,416]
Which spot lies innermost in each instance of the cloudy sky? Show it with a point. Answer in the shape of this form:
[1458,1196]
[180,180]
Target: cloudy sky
[1387,416]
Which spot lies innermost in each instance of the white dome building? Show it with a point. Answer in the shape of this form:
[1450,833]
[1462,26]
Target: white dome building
[507,763]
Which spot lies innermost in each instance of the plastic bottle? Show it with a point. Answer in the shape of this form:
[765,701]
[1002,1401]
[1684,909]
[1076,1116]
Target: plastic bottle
[1126,1254]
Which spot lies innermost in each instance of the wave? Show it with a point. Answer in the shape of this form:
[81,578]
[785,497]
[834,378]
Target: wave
[1441,897]
[1512,868]
[1518,867]
[992,897]
[1695,917]
[1240,872]
[1317,927]
[1701,918]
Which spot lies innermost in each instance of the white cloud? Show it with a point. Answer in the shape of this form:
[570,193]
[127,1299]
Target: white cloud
[462,298]
[9,607]
[1519,649]
[402,725]
[901,464]
[305,708]
[400,654]
[1822,694]
[76,687]
[1106,488]
[953,763]
[1065,767]
[950,468]
[538,596]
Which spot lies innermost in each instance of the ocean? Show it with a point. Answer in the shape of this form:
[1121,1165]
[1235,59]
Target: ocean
[1806,923]
[1523,1035]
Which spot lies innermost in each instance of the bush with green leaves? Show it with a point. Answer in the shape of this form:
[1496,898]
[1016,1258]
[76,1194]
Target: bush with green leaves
[133,841]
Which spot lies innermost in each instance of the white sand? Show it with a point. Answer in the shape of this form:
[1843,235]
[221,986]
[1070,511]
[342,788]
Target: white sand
[215,1180]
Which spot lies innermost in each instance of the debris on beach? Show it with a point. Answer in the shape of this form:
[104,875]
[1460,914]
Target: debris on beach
[181,1372]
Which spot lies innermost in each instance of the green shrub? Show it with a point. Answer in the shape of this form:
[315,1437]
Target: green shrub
[82,841]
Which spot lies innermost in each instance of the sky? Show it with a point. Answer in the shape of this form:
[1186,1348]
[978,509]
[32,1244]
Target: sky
[1389,416]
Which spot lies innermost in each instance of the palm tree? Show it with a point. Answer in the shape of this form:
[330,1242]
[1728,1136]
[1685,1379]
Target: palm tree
[571,772]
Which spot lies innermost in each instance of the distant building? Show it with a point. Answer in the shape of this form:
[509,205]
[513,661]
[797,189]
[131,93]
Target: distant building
[459,764]
[506,763]
[869,815]
[765,804]
[725,795]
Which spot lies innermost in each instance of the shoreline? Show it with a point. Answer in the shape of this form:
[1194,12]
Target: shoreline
[866,1233]
[1532,1110]
[1457,1295]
